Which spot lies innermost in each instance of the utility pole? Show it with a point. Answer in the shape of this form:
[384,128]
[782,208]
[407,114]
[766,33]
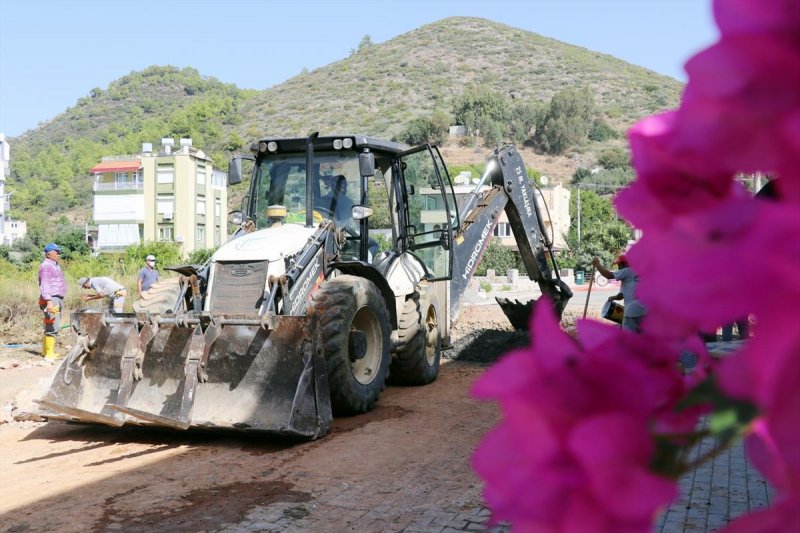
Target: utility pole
[579,213]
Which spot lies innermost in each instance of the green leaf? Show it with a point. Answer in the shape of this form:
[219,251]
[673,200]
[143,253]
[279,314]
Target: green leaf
[721,421]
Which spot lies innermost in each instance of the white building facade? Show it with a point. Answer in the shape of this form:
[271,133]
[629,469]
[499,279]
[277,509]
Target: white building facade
[10,230]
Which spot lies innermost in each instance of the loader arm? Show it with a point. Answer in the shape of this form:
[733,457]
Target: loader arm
[511,191]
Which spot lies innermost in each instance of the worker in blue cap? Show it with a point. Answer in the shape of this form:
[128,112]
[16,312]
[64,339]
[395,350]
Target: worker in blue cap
[52,291]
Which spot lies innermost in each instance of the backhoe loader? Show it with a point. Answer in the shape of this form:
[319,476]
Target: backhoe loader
[299,316]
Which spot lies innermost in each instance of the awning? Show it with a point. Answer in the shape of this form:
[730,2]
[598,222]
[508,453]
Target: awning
[116,166]
[117,235]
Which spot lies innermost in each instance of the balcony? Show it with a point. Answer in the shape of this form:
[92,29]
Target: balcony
[118,186]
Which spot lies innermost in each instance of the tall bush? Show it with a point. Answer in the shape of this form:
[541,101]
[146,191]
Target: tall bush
[483,112]
[498,257]
[567,120]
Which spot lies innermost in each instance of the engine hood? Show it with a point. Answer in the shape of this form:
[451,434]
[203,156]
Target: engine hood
[267,244]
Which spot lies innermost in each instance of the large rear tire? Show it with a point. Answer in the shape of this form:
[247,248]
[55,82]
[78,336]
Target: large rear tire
[420,348]
[354,323]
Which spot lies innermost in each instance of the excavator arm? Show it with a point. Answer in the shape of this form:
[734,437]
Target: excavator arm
[511,191]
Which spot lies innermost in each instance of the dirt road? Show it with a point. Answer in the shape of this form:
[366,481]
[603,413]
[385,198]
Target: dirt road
[402,467]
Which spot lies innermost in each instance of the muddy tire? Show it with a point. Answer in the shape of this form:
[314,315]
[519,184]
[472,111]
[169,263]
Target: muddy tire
[354,324]
[419,351]
[160,298]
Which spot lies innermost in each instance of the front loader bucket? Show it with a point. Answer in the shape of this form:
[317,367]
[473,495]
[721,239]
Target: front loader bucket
[246,373]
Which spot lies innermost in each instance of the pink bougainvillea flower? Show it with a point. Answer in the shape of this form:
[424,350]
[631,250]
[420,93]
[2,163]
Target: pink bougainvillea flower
[717,252]
[740,93]
[770,459]
[614,451]
[767,373]
[580,416]
[756,16]
[666,185]
[555,395]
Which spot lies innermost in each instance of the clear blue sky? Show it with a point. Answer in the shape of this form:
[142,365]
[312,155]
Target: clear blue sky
[53,52]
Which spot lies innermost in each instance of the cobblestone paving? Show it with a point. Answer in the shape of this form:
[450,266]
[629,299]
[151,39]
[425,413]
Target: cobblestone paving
[449,509]
[716,493]
[712,495]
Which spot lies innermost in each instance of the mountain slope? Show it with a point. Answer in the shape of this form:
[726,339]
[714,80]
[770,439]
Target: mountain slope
[380,88]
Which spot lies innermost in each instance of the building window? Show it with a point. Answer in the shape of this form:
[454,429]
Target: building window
[200,234]
[165,233]
[503,229]
[200,174]
[165,206]
[165,174]
[217,236]
[217,208]
[219,180]
[200,206]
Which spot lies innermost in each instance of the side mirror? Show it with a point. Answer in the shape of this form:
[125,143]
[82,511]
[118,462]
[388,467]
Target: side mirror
[235,171]
[236,218]
[235,168]
[360,212]
[366,164]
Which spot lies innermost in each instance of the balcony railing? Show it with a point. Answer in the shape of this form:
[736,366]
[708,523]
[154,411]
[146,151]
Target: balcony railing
[119,186]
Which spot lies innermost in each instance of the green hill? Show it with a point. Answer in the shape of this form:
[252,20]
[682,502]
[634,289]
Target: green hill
[378,90]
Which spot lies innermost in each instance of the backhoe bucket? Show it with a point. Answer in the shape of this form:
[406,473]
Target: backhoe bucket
[245,373]
[519,313]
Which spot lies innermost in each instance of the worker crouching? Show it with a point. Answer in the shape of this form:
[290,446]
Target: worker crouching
[105,288]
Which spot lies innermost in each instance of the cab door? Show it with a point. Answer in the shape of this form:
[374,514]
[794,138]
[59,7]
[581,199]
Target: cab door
[428,210]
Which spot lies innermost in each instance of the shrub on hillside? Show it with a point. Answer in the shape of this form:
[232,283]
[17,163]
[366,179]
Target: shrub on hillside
[614,158]
[601,131]
[433,129]
[567,120]
[484,113]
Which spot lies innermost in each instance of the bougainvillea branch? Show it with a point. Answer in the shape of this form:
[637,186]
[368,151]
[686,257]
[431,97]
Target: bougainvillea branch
[595,429]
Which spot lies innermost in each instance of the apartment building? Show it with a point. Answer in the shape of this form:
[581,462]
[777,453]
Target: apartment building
[172,195]
[10,230]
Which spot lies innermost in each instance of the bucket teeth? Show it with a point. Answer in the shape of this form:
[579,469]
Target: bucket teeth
[182,418]
[518,313]
[115,419]
[153,419]
[228,372]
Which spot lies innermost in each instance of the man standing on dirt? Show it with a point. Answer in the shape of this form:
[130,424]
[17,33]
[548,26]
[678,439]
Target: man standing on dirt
[105,288]
[52,290]
[147,276]
[634,309]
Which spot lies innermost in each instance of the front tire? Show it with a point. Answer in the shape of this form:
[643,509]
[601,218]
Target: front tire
[354,323]
[420,349]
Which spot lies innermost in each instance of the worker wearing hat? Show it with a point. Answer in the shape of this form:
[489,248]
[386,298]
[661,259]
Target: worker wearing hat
[105,288]
[52,290]
[147,276]
[634,309]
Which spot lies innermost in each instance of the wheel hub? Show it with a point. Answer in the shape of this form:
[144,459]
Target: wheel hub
[357,345]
